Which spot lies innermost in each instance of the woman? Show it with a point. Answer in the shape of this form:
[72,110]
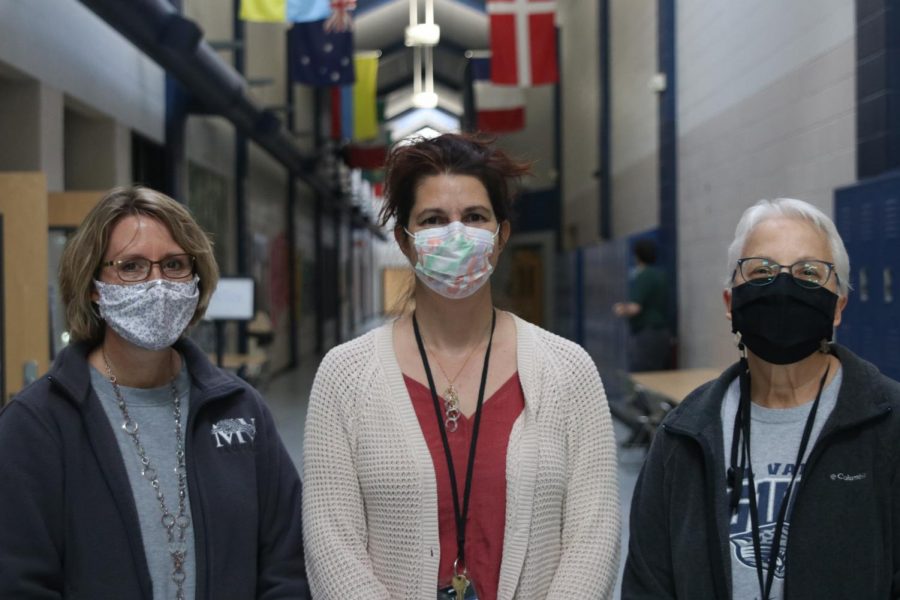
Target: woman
[135,468]
[805,424]
[458,451]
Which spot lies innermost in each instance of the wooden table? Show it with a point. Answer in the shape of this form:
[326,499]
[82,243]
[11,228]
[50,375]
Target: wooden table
[674,384]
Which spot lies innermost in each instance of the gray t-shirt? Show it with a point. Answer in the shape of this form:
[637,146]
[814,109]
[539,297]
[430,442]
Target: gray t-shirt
[775,435]
[152,410]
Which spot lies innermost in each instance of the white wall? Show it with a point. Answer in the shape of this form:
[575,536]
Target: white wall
[535,142]
[580,76]
[31,129]
[766,97]
[634,117]
[97,151]
[66,46]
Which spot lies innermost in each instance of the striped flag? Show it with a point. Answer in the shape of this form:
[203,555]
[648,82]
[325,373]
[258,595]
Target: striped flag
[523,42]
[355,114]
[498,108]
[280,11]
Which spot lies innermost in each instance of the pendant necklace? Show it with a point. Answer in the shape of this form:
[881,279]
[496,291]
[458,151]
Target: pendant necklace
[181,520]
[450,394]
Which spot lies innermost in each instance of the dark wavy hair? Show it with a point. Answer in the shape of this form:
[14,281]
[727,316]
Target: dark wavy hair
[452,154]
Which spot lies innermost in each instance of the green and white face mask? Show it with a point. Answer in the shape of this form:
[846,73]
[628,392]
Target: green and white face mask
[454,260]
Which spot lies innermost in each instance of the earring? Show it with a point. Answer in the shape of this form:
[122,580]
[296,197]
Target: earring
[740,345]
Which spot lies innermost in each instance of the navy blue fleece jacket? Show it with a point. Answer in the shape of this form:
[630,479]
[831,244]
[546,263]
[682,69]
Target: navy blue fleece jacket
[68,522]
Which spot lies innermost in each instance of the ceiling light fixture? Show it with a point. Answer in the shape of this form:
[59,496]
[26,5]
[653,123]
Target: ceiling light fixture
[422,37]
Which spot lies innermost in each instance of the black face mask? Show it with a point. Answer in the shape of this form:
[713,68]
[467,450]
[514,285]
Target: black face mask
[782,322]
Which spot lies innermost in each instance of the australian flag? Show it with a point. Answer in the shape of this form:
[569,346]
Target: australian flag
[320,57]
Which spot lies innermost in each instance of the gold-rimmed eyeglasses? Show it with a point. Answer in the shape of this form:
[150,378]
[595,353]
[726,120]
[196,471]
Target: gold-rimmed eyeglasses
[132,270]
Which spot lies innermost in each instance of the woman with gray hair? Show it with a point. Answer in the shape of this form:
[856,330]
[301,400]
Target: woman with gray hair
[778,479]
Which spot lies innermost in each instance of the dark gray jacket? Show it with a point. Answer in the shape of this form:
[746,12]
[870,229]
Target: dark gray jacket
[845,531]
[68,523]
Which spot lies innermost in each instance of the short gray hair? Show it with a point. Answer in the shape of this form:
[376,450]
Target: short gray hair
[793,209]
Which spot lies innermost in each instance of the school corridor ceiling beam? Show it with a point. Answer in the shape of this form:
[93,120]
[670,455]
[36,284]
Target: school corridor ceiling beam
[177,45]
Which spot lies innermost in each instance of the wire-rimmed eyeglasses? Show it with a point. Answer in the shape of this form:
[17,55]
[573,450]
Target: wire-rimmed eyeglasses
[138,268]
[758,270]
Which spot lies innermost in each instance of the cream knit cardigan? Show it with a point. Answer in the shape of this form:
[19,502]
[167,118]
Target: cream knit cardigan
[370,519]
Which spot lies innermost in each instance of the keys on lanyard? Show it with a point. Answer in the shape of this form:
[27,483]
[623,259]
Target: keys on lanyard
[460,584]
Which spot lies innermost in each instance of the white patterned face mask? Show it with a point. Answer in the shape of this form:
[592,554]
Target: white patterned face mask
[454,260]
[151,314]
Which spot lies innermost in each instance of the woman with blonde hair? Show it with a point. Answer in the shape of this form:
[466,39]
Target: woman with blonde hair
[135,468]
[459,451]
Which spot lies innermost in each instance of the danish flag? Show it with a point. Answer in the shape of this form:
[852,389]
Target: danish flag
[523,42]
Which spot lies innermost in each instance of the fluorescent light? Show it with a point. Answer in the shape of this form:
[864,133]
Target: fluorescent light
[425,100]
[423,34]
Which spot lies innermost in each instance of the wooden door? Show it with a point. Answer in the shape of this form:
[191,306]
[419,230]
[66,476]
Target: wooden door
[25,312]
[526,286]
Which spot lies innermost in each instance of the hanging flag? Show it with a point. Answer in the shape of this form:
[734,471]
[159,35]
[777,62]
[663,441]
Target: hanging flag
[304,11]
[367,156]
[336,120]
[523,42]
[498,108]
[365,112]
[347,112]
[267,11]
[279,11]
[319,57]
[341,19]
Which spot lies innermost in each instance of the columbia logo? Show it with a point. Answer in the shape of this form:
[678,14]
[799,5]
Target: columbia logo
[846,477]
[227,431]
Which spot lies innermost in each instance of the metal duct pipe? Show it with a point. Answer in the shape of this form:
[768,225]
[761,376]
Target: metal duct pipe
[176,44]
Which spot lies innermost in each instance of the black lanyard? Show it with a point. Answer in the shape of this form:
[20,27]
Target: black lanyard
[460,515]
[736,477]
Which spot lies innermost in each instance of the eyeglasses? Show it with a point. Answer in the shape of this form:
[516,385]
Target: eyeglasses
[176,266]
[760,271]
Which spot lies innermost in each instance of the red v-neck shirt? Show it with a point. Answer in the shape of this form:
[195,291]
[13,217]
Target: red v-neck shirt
[487,504]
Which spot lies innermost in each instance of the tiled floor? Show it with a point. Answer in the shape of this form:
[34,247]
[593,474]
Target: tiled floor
[288,395]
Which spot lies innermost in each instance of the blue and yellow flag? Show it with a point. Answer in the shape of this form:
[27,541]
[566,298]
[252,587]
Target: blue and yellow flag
[280,11]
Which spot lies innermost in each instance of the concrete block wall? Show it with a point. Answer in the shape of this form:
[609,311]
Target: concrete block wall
[634,143]
[766,108]
[580,76]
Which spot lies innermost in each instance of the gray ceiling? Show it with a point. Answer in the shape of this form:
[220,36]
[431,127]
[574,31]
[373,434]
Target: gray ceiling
[380,25]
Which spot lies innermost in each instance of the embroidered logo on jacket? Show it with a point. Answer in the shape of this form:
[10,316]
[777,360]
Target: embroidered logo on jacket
[848,477]
[228,431]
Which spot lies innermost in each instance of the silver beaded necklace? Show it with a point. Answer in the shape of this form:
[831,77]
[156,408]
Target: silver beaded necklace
[180,521]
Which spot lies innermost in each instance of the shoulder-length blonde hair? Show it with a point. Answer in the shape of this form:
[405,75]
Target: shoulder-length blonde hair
[81,258]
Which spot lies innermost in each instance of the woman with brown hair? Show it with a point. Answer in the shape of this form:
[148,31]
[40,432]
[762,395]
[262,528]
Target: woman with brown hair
[135,468]
[458,451]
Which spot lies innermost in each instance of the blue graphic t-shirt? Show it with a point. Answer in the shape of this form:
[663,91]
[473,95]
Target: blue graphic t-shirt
[775,435]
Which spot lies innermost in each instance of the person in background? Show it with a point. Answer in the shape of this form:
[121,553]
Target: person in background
[779,479]
[650,342]
[458,451]
[135,468]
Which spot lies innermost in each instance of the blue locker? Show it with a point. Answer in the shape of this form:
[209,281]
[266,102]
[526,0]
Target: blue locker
[867,215]
[890,253]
